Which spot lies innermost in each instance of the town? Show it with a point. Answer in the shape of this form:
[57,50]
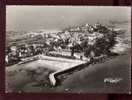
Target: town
[84,42]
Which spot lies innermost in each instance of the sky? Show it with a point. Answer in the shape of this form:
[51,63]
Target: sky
[28,18]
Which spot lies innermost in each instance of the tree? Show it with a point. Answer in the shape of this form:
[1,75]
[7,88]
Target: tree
[103,45]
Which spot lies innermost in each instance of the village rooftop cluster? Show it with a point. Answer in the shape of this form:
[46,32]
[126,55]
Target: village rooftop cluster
[84,42]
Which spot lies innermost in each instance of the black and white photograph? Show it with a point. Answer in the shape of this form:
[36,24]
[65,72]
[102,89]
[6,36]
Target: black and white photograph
[68,49]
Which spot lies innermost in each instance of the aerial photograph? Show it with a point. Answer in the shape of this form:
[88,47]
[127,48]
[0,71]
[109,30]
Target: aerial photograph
[68,49]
